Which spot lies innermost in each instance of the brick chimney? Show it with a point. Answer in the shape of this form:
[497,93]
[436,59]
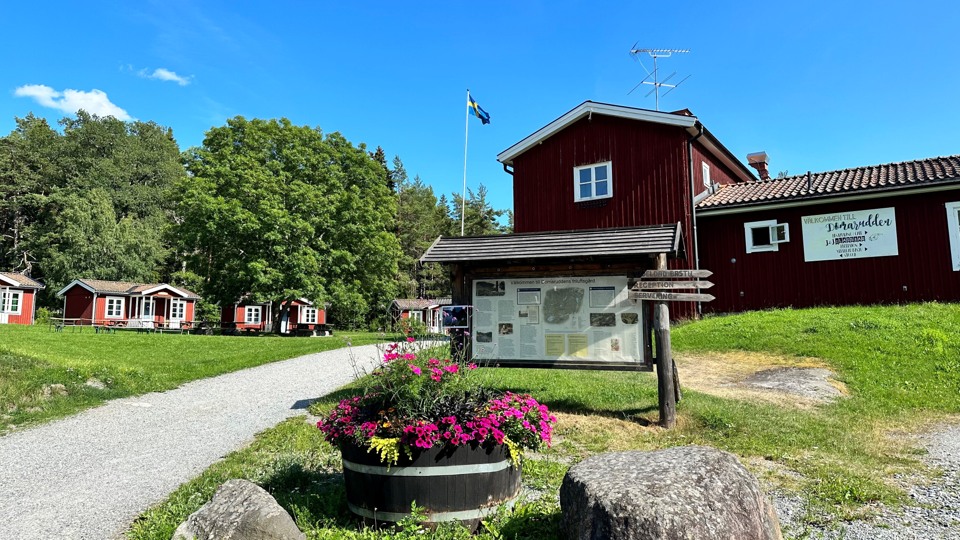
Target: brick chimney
[758,160]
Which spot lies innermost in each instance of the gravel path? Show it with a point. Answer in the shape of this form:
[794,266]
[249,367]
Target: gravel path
[934,512]
[88,476]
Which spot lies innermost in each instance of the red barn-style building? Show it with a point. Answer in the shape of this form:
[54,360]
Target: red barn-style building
[135,305]
[877,234]
[18,298]
[425,310]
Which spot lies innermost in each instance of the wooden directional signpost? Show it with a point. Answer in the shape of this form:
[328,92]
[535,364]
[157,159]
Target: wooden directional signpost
[659,288]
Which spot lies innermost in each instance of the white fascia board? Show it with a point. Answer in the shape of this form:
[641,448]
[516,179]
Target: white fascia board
[585,109]
[164,286]
[10,281]
[76,282]
[823,199]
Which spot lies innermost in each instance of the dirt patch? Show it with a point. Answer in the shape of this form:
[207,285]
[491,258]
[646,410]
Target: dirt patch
[783,380]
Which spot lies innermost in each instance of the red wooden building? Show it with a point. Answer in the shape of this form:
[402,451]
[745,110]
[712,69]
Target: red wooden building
[302,317]
[885,233]
[425,310]
[123,304]
[18,298]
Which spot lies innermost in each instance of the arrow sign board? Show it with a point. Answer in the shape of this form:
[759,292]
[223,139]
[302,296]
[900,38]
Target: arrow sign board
[677,274]
[646,285]
[670,296]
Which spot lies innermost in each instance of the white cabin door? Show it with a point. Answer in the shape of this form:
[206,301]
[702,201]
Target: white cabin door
[6,305]
[178,309]
[146,314]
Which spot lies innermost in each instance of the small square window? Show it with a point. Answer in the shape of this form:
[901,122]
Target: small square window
[10,302]
[765,235]
[310,315]
[593,182]
[114,307]
[252,314]
[706,174]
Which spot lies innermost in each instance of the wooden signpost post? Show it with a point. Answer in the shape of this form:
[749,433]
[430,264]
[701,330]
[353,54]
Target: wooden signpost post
[668,384]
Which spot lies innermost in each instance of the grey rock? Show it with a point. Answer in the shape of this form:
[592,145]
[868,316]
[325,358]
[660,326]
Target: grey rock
[240,510]
[689,492]
[807,382]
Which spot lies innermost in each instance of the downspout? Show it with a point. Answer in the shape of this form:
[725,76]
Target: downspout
[93,311]
[693,209]
[506,170]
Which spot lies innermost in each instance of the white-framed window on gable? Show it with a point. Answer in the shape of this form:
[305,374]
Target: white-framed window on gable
[767,235]
[114,307]
[705,167]
[953,227]
[252,314]
[591,182]
[309,315]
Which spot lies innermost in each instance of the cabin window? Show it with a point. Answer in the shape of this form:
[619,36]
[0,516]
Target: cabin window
[416,315]
[10,302]
[765,235]
[953,226]
[309,315]
[592,182]
[178,310]
[706,175]
[252,314]
[114,307]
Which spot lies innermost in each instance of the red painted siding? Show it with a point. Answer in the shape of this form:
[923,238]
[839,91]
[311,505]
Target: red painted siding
[78,304]
[783,278]
[719,173]
[26,302]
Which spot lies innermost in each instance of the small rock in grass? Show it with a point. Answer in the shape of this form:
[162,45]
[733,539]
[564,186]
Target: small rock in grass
[94,382]
[240,510]
[51,390]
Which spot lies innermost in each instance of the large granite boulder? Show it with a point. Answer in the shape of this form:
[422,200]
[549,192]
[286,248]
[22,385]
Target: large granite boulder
[690,492]
[240,510]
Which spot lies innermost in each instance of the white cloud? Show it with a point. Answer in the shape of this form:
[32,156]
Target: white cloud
[163,74]
[70,101]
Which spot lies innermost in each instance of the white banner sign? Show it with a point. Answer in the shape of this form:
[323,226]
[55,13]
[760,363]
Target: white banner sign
[850,235]
[560,318]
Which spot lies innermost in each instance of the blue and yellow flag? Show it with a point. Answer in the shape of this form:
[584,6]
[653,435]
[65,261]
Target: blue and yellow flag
[483,115]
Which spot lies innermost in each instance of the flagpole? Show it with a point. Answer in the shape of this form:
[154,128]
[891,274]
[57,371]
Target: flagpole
[466,135]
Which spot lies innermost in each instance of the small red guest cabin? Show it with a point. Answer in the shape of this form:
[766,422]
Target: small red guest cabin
[120,303]
[18,298]
[302,317]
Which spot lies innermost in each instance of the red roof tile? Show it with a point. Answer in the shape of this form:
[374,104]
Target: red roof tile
[889,176]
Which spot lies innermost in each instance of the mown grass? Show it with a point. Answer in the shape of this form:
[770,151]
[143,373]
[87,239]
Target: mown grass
[45,375]
[901,365]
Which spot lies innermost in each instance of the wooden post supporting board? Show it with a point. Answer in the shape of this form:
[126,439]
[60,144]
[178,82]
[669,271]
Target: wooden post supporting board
[666,392]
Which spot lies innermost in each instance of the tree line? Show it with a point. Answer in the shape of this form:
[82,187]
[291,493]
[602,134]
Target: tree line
[263,210]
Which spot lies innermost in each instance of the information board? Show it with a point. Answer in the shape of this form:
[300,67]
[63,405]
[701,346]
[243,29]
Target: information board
[850,235]
[557,318]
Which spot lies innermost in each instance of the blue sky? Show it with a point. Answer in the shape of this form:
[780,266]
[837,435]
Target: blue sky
[817,85]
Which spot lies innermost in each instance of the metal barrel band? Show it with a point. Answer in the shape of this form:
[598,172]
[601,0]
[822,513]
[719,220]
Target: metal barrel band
[433,517]
[449,470]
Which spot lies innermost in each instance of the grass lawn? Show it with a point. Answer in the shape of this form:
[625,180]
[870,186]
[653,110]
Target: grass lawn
[901,365]
[34,361]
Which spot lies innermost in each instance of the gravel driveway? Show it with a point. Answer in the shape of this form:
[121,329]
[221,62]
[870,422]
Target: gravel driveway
[88,476]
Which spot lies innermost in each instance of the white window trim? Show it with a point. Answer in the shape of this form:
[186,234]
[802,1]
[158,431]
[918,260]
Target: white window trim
[705,167]
[416,315]
[116,300]
[953,228]
[4,299]
[309,315]
[175,306]
[249,310]
[773,226]
[593,182]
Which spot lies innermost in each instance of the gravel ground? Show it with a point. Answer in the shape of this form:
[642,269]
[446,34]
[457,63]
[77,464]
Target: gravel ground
[934,513]
[88,476]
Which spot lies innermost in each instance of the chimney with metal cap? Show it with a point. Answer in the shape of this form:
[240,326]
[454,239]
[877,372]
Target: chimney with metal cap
[758,160]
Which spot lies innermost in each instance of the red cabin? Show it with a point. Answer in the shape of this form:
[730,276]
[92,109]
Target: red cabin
[303,318]
[18,294]
[425,310]
[123,304]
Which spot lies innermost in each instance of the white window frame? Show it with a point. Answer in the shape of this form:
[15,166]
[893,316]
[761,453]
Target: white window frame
[593,181]
[705,167]
[250,310]
[113,307]
[178,309]
[7,296]
[953,229]
[779,234]
[416,315]
[309,315]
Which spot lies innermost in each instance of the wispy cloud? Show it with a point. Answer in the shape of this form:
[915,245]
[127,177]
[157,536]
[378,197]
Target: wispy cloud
[70,101]
[164,74]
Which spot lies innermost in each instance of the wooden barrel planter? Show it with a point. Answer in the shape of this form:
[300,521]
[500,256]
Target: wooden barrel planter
[451,483]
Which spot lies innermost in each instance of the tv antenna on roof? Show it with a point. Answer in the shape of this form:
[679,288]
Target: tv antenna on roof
[656,83]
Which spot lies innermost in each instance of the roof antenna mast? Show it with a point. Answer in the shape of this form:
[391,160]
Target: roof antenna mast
[656,83]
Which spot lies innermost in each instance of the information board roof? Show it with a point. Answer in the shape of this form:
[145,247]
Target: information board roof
[558,244]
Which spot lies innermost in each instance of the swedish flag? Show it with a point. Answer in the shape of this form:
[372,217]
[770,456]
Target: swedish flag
[483,115]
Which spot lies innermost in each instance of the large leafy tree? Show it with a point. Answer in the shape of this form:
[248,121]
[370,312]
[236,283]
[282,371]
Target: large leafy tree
[277,212]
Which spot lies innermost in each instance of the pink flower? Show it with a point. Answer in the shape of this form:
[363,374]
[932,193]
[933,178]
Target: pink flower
[436,374]
[471,366]
[410,339]
[452,368]
[409,356]
[415,369]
